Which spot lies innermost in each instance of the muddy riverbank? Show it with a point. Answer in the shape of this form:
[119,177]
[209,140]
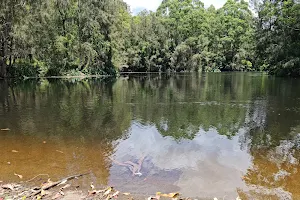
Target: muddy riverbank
[71,190]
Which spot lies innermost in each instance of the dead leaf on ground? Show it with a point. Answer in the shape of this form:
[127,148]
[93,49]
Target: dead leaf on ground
[47,184]
[5,129]
[93,192]
[43,192]
[35,188]
[14,151]
[126,193]
[107,191]
[59,151]
[157,196]
[56,196]
[152,198]
[18,175]
[8,186]
[170,195]
[92,186]
[108,197]
[115,194]
[66,186]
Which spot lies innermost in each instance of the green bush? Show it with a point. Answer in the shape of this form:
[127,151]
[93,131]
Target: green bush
[24,69]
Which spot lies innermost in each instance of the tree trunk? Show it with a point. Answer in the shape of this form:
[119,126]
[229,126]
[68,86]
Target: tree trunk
[3,69]
[3,66]
[5,38]
[4,97]
[108,64]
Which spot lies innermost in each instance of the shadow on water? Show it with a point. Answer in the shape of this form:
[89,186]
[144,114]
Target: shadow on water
[206,135]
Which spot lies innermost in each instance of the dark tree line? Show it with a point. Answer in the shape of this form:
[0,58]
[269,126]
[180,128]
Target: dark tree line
[76,37]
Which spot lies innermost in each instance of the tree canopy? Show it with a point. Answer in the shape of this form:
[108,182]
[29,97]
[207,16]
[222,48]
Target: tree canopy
[75,37]
[278,36]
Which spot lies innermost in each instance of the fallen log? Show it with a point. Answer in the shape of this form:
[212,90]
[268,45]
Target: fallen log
[62,181]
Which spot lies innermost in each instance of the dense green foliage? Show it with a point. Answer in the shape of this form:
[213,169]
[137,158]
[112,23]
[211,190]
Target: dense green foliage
[278,36]
[75,37]
[57,36]
[184,36]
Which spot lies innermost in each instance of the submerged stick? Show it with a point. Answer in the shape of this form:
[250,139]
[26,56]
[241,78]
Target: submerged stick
[38,176]
[58,182]
[133,167]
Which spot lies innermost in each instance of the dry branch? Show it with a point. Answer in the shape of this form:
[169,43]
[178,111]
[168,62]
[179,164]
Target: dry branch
[58,182]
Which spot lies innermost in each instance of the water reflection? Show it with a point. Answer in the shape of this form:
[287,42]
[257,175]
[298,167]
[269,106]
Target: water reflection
[205,135]
[203,165]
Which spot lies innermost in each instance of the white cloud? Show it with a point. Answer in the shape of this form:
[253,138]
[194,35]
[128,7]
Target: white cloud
[153,4]
[209,165]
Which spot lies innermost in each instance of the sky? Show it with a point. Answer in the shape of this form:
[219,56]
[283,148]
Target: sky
[208,165]
[138,5]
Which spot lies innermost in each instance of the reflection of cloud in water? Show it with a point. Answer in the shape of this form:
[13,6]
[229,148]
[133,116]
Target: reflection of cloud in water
[210,164]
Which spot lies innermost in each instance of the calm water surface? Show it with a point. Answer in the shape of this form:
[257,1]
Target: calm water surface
[209,135]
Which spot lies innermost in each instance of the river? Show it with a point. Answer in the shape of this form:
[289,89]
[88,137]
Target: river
[203,135]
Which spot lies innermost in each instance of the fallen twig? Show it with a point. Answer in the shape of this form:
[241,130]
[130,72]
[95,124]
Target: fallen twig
[59,151]
[57,183]
[38,176]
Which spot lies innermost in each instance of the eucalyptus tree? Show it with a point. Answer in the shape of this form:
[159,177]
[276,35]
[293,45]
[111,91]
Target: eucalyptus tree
[278,36]
[11,13]
[236,33]
[62,37]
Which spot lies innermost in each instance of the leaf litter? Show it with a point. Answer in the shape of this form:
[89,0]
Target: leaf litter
[15,191]
[18,175]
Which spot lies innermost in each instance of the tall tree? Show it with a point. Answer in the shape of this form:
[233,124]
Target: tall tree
[278,41]
[75,37]
[11,11]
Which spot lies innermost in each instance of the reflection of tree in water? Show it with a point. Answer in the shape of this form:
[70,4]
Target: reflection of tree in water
[275,171]
[66,108]
[177,105]
[180,105]
[70,116]
[266,108]
[280,113]
[275,144]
